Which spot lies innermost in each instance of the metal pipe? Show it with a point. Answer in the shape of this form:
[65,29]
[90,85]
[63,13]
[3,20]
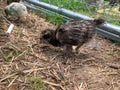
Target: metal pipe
[58,10]
[31,6]
[108,35]
[108,27]
[111,28]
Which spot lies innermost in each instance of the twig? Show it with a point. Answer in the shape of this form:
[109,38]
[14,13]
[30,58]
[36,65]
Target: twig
[32,70]
[50,83]
[6,19]
[8,77]
[52,87]
[114,66]
[3,83]
[35,54]
[23,88]
[54,57]
[55,74]
[13,46]
[18,56]
[31,63]
[80,87]
[2,53]
[12,81]
[86,86]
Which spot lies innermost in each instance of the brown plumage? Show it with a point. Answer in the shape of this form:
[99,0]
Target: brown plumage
[75,32]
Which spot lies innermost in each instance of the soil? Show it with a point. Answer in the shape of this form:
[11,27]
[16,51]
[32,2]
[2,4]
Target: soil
[28,64]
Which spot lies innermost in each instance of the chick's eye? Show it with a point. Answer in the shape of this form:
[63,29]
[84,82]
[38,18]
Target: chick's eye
[61,30]
[46,36]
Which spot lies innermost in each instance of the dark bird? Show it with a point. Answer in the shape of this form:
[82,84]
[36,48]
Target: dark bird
[73,33]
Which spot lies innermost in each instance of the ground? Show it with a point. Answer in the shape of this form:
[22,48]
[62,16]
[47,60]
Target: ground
[28,64]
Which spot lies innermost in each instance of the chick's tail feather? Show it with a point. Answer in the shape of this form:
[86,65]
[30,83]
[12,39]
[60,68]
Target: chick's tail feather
[98,21]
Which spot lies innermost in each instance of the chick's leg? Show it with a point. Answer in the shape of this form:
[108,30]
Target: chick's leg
[67,48]
[78,46]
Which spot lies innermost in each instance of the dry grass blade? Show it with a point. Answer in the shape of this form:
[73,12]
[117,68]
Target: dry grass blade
[54,57]
[12,81]
[55,74]
[52,87]
[32,70]
[2,53]
[50,83]
[12,45]
[36,54]
[23,88]
[80,87]
[5,19]
[114,66]
[9,76]
[18,56]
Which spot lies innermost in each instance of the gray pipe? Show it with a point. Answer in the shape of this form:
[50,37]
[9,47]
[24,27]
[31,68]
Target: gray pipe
[109,35]
[31,6]
[107,27]
[58,10]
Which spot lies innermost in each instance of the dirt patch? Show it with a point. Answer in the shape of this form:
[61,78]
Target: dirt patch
[27,64]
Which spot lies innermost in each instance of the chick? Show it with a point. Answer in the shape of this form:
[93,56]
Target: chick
[16,9]
[72,33]
[10,1]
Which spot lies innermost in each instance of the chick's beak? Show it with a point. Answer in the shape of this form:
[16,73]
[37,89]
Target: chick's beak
[41,39]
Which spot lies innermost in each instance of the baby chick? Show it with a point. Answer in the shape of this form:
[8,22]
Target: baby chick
[72,33]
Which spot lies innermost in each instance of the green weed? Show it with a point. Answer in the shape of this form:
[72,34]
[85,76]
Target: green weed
[8,56]
[12,52]
[37,83]
[53,18]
